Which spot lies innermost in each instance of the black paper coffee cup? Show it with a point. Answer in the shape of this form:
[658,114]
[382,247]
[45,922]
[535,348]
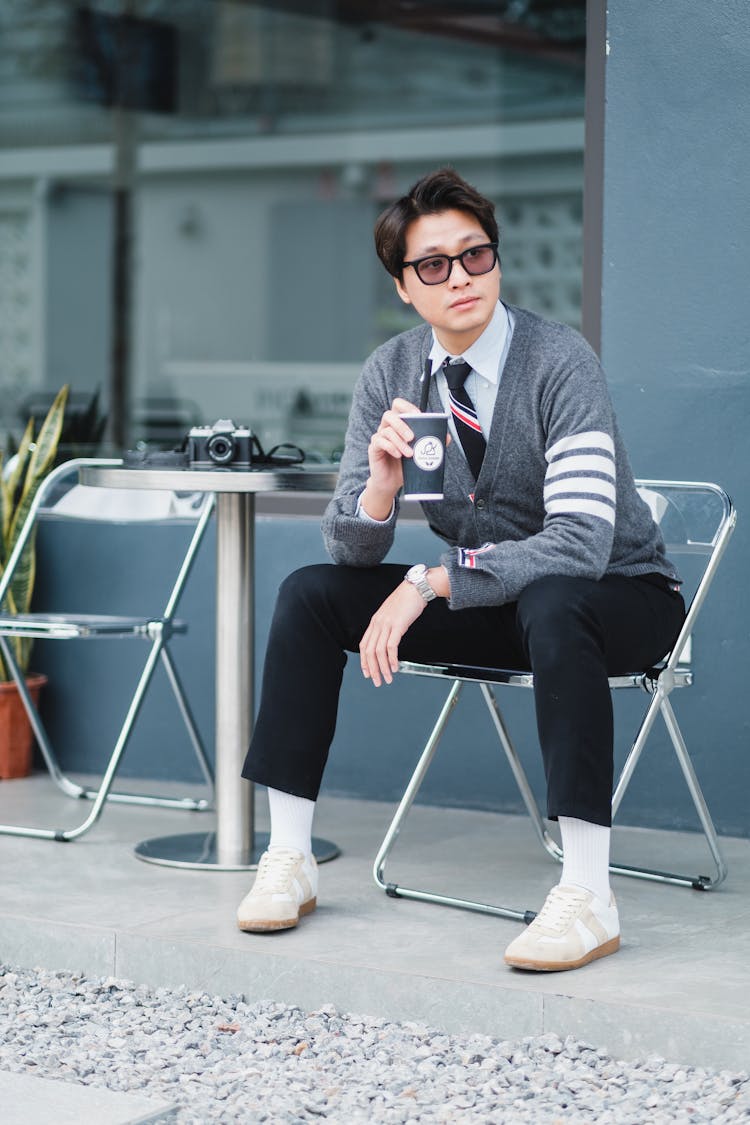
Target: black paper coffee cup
[423,472]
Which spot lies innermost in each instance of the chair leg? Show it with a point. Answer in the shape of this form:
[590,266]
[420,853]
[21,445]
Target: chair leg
[188,804]
[519,773]
[69,788]
[103,794]
[81,792]
[660,704]
[187,717]
[396,890]
[635,751]
[699,800]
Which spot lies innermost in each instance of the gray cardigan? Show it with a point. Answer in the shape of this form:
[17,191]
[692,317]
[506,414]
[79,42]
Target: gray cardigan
[555,494]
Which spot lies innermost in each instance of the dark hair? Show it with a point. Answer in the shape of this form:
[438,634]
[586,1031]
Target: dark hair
[443,190]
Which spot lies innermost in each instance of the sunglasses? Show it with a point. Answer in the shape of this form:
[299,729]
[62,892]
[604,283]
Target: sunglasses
[437,268]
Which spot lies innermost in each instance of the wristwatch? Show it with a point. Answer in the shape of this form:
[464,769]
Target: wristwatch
[417,576]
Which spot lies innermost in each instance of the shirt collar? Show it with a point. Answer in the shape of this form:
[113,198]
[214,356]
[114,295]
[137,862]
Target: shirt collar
[485,354]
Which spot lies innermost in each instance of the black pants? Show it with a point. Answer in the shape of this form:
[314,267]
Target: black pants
[571,632]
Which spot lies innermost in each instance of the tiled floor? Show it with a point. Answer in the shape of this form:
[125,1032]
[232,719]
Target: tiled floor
[677,988]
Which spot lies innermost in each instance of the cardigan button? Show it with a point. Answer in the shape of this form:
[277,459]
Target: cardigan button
[481,504]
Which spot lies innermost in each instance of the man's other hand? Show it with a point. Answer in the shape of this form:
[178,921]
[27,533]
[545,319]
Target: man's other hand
[378,649]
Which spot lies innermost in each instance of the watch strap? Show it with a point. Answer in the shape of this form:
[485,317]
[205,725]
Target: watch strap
[417,577]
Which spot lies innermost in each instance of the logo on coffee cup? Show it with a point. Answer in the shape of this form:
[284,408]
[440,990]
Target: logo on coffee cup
[428,453]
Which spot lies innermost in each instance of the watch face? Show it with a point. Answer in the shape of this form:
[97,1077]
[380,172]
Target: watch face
[417,576]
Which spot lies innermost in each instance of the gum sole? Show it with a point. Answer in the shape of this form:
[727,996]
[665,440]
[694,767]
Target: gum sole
[283,924]
[558,967]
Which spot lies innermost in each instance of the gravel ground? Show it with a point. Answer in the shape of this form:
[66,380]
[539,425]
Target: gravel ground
[223,1060]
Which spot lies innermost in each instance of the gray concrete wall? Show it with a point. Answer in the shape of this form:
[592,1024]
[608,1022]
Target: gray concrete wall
[675,334]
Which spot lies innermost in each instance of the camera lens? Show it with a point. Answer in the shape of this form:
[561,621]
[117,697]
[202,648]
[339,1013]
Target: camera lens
[220,448]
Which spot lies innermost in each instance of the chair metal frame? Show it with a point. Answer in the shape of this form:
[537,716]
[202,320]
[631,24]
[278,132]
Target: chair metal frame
[158,630]
[673,672]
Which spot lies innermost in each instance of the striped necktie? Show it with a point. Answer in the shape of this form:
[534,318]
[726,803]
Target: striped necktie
[464,414]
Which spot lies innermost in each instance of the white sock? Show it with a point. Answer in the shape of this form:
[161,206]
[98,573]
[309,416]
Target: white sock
[585,855]
[291,821]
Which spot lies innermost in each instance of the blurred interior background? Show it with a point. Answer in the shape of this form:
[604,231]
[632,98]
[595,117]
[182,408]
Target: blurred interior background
[188,190]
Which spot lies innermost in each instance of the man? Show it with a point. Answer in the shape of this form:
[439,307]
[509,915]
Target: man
[553,563]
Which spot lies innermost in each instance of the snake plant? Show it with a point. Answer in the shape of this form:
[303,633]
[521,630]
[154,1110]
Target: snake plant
[34,460]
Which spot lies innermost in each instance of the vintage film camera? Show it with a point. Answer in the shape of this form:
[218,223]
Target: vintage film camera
[221,444]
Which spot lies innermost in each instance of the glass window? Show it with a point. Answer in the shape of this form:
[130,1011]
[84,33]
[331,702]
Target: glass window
[188,190]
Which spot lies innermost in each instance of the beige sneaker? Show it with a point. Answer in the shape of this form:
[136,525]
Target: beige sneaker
[572,928]
[285,888]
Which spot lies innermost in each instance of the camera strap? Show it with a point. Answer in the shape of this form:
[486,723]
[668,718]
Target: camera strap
[283,453]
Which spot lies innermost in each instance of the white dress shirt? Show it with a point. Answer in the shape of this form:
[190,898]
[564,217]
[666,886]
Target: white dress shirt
[486,357]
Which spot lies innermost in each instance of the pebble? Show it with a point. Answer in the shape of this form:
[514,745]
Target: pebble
[226,1060]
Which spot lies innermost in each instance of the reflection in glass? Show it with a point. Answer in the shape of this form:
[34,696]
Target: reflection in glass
[245,136]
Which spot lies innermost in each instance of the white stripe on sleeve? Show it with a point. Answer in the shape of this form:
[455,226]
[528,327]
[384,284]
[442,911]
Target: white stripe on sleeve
[592,485]
[581,506]
[583,463]
[590,439]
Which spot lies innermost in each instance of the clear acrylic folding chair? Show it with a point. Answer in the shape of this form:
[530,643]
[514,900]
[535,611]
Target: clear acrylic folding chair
[696,520]
[156,630]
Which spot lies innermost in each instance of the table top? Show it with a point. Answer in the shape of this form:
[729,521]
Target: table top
[266,478]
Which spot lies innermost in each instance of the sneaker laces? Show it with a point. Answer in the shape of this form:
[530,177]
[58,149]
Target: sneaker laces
[275,871]
[560,908]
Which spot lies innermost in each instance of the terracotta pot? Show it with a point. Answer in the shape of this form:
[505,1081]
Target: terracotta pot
[16,736]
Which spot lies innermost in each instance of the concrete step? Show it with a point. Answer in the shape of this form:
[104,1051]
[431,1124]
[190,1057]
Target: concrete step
[27,1100]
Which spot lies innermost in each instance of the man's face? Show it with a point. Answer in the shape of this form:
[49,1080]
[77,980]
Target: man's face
[460,308]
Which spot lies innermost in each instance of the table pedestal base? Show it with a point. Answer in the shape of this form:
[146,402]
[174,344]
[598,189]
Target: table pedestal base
[198,850]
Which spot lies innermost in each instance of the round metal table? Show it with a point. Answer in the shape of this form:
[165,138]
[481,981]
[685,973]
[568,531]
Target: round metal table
[234,845]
